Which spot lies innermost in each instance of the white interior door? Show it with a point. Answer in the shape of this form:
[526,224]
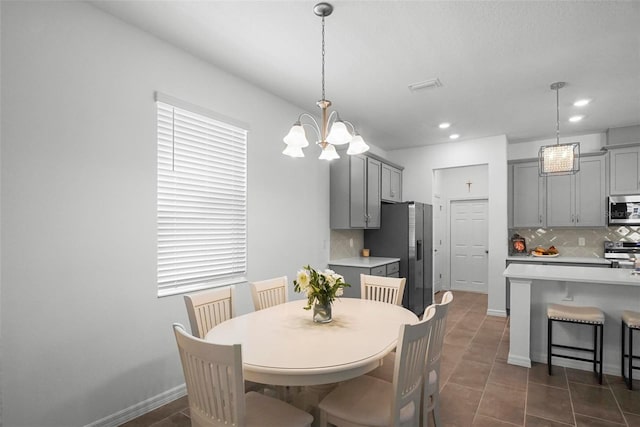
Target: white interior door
[469,255]
[438,238]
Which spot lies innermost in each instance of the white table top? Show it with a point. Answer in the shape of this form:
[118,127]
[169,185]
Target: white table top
[365,262]
[281,345]
[560,273]
[560,259]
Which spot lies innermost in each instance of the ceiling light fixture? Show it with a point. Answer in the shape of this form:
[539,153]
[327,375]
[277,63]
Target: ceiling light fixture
[444,125]
[581,102]
[427,84]
[559,159]
[574,119]
[332,130]
[454,136]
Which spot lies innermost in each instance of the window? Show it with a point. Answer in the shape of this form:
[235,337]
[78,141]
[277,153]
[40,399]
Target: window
[202,193]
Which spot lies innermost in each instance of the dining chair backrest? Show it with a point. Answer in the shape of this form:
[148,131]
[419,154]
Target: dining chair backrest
[213,374]
[411,350]
[270,292]
[208,309]
[384,289]
[439,330]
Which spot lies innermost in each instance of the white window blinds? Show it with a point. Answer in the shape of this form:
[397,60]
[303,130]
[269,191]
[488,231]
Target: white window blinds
[202,192]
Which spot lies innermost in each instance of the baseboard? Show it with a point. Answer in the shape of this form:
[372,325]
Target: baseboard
[576,364]
[497,313]
[519,361]
[141,408]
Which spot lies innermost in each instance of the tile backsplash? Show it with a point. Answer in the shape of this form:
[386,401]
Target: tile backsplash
[341,246]
[566,239]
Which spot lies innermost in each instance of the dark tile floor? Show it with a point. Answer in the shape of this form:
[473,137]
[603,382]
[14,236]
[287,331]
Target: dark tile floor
[480,389]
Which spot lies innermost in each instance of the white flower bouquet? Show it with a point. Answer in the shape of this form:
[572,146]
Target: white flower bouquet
[321,287]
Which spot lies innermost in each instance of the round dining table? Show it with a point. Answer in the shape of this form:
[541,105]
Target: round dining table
[281,345]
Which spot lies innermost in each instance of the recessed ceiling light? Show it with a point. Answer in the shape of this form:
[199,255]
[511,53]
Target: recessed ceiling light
[575,118]
[444,125]
[454,136]
[581,102]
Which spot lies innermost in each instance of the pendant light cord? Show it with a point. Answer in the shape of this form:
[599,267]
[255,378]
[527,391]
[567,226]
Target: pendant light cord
[558,115]
[323,58]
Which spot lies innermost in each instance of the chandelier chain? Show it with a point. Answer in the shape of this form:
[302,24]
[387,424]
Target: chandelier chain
[558,114]
[323,57]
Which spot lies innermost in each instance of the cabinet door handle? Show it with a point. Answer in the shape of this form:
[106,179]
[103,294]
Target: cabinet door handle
[573,218]
[540,219]
[577,219]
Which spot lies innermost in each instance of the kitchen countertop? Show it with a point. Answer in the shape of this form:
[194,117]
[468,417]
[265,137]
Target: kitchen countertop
[559,273]
[363,262]
[559,259]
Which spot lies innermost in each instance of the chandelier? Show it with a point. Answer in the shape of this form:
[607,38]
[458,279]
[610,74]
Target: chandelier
[559,159]
[332,130]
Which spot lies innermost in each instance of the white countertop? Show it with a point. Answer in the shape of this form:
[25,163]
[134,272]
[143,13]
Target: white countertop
[363,262]
[559,259]
[560,273]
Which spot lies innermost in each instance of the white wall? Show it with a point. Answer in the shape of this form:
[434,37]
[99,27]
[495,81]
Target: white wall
[83,334]
[418,185]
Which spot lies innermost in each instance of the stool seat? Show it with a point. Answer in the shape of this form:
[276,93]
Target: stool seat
[570,313]
[631,318]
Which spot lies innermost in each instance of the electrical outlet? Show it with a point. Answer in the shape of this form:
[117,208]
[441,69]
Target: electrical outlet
[351,242]
[581,241]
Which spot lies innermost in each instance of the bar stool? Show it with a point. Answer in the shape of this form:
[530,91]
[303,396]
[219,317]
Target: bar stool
[578,315]
[630,319]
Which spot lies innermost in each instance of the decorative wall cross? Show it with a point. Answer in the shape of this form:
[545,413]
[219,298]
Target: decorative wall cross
[469,185]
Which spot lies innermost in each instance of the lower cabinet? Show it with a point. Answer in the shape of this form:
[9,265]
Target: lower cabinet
[352,275]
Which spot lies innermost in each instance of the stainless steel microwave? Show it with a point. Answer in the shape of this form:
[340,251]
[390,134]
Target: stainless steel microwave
[624,210]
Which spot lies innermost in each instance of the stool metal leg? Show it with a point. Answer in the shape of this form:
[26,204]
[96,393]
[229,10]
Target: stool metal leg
[630,359]
[622,352]
[595,348]
[549,329]
[601,351]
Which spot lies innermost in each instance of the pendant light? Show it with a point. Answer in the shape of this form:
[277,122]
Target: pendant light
[332,130]
[559,159]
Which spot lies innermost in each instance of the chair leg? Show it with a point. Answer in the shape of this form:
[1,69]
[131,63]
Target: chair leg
[622,351]
[436,410]
[595,348]
[601,352]
[323,418]
[549,329]
[630,359]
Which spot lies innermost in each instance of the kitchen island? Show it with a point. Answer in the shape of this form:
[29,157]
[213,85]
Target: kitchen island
[533,286]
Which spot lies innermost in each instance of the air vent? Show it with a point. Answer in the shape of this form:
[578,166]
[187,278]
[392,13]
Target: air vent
[427,84]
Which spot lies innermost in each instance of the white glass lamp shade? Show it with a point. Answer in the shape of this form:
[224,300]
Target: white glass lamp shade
[339,134]
[559,159]
[329,153]
[357,146]
[292,151]
[296,137]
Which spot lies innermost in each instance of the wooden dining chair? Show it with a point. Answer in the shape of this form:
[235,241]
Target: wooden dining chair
[384,289]
[370,401]
[213,374]
[431,389]
[209,308]
[270,292]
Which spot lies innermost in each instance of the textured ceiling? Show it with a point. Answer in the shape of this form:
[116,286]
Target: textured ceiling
[495,60]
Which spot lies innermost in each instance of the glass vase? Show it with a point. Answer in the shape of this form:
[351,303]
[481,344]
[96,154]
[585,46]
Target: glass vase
[322,313]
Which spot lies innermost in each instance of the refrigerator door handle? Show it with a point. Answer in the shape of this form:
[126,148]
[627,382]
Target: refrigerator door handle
[418,250]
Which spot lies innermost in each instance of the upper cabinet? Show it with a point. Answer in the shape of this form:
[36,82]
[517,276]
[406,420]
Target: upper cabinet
[578,200]
[358,186]
[624,170]
[527,196]
[391,183]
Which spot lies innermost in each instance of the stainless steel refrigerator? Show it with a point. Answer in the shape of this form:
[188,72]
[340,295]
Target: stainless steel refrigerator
[405,232]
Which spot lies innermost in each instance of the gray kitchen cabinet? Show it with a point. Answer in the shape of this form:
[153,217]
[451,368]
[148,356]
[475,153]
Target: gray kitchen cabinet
[352,274]
[624,170]
[355,192]
[578,200]
[391,183]
[528,191]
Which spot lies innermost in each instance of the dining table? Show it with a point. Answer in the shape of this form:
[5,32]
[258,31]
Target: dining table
[282,345]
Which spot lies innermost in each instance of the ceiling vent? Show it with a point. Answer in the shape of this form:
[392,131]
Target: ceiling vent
[427,84]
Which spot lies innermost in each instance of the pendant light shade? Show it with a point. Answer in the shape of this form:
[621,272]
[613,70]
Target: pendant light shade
[292,151]
[296,136]
[357,145]
[559,159]
[329,153]
[339,133]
